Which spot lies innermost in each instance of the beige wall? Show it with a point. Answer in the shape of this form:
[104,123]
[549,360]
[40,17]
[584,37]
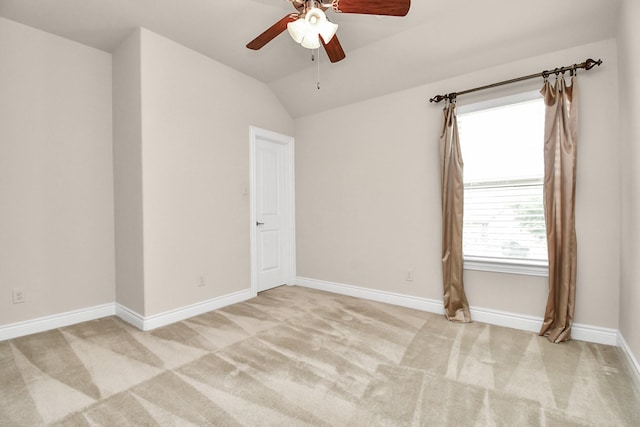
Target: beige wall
[196,115]
[629,54]
[367,181]
[127,166]
[56,180]
[368,193]
[180,154]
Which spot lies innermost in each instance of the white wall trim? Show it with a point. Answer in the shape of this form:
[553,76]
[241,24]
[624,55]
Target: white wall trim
[424,304]
[182,313]
[46,323]
[504,266]
[130,316]
[595,334]
[494,317]
[634,366]
[508,320]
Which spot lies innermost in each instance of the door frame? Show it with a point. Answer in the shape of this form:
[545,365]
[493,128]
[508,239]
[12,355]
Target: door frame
[255,134]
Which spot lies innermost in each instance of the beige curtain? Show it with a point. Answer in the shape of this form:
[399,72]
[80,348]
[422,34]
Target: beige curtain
[455,301]
[561,125]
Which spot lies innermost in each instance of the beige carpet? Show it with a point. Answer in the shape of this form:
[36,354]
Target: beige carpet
[295,356]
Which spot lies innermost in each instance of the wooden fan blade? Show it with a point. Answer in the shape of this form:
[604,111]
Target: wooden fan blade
[271,32]
[373,7]
[333,49]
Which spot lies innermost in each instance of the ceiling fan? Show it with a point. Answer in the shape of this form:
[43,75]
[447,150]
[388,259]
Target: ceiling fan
[310,27]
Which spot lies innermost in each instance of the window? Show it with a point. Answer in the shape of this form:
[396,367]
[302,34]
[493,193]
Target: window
[502,144]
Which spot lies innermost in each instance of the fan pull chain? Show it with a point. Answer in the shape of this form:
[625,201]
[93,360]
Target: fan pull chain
[313,58]
[318,85]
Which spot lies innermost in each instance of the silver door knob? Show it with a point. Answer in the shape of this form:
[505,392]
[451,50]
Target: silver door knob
[259,223]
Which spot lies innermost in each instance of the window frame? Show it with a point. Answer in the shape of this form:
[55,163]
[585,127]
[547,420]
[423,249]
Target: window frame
[503,265]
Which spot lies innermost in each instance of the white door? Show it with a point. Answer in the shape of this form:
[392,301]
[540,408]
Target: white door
[272,209]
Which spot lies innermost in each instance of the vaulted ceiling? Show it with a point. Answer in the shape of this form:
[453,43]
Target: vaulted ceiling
[384,54]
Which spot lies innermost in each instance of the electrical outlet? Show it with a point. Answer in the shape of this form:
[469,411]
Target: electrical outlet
[409,276]
[18,296]
[202,281]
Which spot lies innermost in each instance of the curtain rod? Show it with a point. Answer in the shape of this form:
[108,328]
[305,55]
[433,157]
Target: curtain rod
[587,65]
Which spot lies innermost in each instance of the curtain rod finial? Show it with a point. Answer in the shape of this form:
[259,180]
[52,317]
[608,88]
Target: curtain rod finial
[438,98]
[590,63]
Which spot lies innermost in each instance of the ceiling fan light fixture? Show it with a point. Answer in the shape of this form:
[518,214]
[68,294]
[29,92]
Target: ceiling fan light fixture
[297,30]
[307,30]
[328,30]
[311,40]
[315,18]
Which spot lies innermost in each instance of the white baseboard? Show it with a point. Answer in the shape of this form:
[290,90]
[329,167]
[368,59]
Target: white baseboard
[595,334]
[130,316]
[47,323]
[494,317]
[54,321]
[423,304]
[182,313]
[580,332]
[521,322]
[634,366]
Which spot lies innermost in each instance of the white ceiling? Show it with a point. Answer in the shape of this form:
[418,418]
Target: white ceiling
[384,54]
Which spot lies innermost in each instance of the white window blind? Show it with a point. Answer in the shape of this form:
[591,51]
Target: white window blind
[505,220]
[502,149]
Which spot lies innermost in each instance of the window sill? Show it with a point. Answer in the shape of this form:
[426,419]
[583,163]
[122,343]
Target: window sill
[527,268]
